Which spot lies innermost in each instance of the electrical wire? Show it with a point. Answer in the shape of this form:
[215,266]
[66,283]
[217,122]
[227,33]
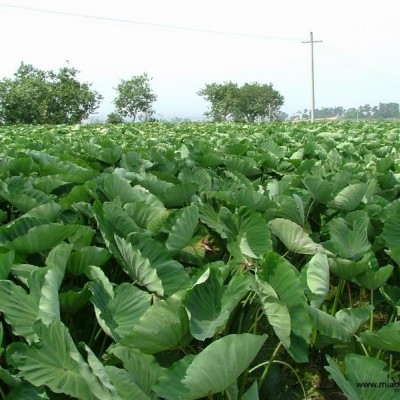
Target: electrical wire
[150,24]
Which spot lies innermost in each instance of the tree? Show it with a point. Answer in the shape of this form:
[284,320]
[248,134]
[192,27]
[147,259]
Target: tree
[245,103]
[223,98]
[387,110]
[114,118]
[135,96]
[34,96]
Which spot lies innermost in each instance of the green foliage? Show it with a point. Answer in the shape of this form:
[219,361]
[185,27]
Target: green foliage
[244,103]
[135,97]
[155,265]
[34,96]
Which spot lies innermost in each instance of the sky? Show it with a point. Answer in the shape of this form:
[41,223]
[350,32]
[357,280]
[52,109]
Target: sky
[184,44]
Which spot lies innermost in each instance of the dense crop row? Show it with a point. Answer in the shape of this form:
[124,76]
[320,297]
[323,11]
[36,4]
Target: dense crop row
[192,261]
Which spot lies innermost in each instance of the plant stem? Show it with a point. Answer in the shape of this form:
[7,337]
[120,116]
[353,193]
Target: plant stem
[371,317]
[337,296]
[269,365]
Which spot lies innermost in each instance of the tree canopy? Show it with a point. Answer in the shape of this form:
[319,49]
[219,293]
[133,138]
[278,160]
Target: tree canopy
[34,96]
[242,103]
[135,97]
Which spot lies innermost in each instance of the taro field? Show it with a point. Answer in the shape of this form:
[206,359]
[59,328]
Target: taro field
[200,261]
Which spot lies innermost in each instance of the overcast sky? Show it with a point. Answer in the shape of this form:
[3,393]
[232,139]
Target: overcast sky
[357,63]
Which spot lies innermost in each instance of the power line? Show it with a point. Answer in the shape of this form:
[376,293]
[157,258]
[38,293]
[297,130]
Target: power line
[312,41]
[148,24]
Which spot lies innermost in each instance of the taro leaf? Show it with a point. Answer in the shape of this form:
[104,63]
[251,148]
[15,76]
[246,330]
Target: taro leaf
[143,212]
[18,228]
[178,195]
[292,208]
[317,278]
[42,237]
[115,186]
[275,310]
[124,384]
[48,212]
[350,197]
[163,326]
[200,376]
[320,189]
[252,393]
[373,279]
[328,325]
[285,281]
[361,369]
[254,236]
[391,233]
[172,274]
[143,368]
[118,312]
[350,242]
[82,237]
[72,301]
[209,303]
[294,237]
[109,155]
[387,338]
[56,261]
[100,372]
[391,294]
[85,257]
[138,267]
[19,308]
[26,391]
[22,309]
[183,229]
[352,318]
[348,269]
[6,260]
[55,362]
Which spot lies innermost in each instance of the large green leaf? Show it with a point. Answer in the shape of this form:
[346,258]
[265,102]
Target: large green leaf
[350,241]
[125,385]
[163,326]
[294,237]
[275,310]
[85,257]
[115,186]
[212,370]
[20,308]
[138,267]
[348,269]
[387,338]
[317,279]
[320,189]
[55,362]
[364,376]
[285,281]
[372,279]
[183,229]
[6,260]
[350,197]
[117,312]
[209,303]
[391,232]
[49,307]
[42,237]
[173,275]
[143,369]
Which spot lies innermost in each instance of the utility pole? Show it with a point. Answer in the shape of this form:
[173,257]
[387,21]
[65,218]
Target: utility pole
[312,41]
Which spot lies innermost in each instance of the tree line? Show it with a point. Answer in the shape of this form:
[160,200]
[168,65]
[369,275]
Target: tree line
[365,112]
[34,96]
